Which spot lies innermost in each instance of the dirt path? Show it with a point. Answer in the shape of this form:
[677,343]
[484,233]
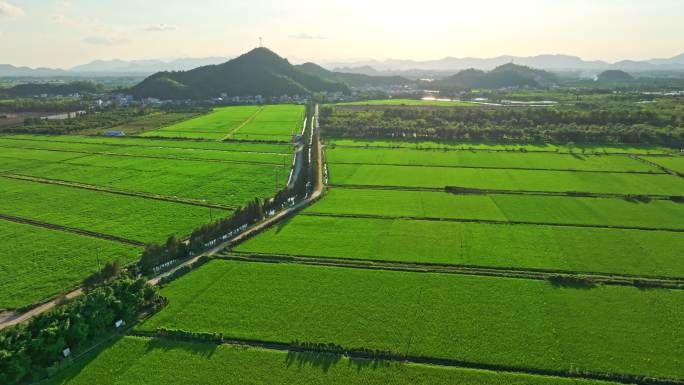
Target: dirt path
[246,122]
[12,318]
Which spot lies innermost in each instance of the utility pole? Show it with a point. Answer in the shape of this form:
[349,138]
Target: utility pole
[276,178]
[98,259]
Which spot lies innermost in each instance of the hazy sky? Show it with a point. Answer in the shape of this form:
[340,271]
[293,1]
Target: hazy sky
[63,33]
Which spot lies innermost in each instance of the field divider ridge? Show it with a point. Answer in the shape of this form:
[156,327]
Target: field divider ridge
[488,221]
[73,230]
[478,191]
[443,268]
[391,356]
[103,189]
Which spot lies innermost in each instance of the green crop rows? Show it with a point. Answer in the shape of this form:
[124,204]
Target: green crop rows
[139,219]
[498,179]
[503,207]
[532,160]
[156,143]
[273,123]
[511,147]
[227,184]
[129,188]
[36,263]
[497,321]
[214,125]
[675,163]
[161,152]
[138,360]
[475,244]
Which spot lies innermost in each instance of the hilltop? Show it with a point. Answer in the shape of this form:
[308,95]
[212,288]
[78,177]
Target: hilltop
[351,79]
[258,72]
[507,75]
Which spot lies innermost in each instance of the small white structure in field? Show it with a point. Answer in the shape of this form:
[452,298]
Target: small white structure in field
[66,352]
[119,323]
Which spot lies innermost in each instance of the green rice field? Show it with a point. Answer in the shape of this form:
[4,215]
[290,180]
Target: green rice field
[140,190]
[273,123]
[219,183]
[139,360]
[152,152]
[530,160]
[674,163]
[276,123]
[519,323]
[576,249]
[512,147]
[499,179]
[215,125]
[229,146]
[36,263]
[139,219]
[502,207]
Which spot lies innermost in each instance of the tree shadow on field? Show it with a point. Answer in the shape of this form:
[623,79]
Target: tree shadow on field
[572,282]
[280,226]
[325,361]
[578,156]
[203,349]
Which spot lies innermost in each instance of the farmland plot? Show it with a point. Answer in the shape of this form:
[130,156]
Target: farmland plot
[498,179]
[577,249]
[134,218]
[214,125]
[664,214]
[530,160]
[151,152]
[273,123]
[675,163]
[227,184]
[139,360]
[492,146]
[36,263]
[496,321]
[233,146]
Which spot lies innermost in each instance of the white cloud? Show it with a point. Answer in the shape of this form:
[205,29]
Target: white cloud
[306,36]
[160,28]
[7,9]
[104,40]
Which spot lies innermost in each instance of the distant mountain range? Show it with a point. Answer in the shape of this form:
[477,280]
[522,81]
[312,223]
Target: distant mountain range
[506,75]
[258,72]
[368,67]
[547,62]
[352,79]
[112,68]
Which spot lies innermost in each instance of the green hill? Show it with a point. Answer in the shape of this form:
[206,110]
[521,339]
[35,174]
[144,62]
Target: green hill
[614,76]
[258,72]
[351,80]
[507,75]
[35,89]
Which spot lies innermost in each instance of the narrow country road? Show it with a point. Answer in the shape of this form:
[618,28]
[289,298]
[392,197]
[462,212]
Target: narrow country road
[12,318]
